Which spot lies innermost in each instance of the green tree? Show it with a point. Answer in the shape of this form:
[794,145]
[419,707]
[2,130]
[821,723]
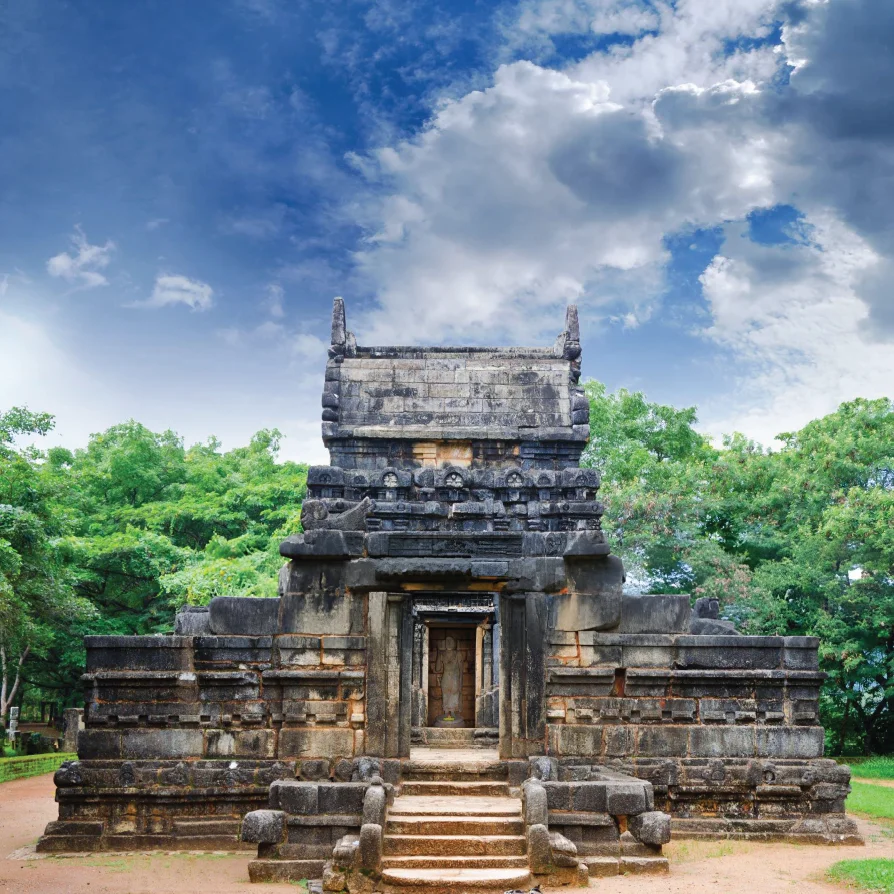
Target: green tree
[37,597]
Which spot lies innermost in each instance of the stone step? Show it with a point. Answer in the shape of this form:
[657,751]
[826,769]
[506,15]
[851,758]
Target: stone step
[456,805]
[467,737]
[456,771]
[431,788]
[446,765]
[204,826]
[451,881]
[454,825]
[445,862]
[455,845]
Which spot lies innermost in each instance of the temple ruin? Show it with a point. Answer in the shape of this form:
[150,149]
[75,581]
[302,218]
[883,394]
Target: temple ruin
[452,690]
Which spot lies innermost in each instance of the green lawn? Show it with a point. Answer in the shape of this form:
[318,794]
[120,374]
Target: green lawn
[869,875]
[31,765]
[873,768]
[873,800]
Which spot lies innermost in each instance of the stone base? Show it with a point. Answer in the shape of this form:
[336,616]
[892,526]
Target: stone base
[157,805]
[606,866]
[285,870]
[832,830]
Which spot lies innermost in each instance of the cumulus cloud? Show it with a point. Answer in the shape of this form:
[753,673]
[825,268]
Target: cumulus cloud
[551,186]
[794,314]
[175,289]
[83,264]
[538,191]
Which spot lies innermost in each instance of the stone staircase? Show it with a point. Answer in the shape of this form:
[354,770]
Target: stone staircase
[455,827]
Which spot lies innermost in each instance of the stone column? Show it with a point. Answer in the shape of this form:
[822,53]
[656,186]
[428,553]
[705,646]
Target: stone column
[523,675]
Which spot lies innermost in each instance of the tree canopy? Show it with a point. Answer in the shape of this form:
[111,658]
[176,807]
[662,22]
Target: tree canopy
[114,537]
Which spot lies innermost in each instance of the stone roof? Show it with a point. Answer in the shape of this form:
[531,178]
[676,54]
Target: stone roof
[454,393]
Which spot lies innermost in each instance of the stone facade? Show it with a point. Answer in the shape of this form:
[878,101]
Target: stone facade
[454,502]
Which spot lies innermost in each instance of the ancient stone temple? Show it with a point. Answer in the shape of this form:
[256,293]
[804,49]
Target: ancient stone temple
[451,690]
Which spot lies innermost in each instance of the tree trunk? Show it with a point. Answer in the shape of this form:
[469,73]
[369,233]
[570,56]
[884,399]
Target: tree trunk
[7,694]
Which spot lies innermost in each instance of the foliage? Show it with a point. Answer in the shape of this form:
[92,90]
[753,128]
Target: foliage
[799,540]
[130,528]
[875,874]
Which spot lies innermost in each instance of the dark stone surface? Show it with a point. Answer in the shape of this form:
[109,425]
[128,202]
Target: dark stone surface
[264,826]
[243,615]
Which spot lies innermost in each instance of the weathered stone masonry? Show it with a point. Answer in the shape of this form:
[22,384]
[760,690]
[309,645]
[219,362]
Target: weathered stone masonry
[454,500]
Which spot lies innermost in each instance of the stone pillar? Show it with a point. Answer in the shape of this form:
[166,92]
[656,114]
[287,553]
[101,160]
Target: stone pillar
[377,676]
[72,724]
[487,658]
[523,675]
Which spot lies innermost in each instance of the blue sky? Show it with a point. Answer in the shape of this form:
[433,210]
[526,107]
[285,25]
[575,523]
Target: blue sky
[185,187]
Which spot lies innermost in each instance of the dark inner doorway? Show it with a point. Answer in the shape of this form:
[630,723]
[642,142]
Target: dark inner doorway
[451,674]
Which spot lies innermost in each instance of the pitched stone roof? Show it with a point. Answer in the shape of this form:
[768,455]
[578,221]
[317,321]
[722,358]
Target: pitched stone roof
[454,393]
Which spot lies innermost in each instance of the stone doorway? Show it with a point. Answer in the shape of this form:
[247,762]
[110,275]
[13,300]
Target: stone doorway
[455,680]
[451,676]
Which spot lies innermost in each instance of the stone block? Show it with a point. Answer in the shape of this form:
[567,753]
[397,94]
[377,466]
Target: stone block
[734,653]
[793,741]
[264,827]
[657,613]
[536,804]
[192,620]
[319,611]
[558,795]
[540,854]
[139,653]
[721,741]
[662,741]
[564,852]
[652,827]
[374,804]
[159,744]
[298,651]
[314,770]
[626,798]
[801,653]
[593,601]
[344,798]
[567,739]
[589,797]
[544,768]
[316,742]
[293,797]
[99,744]
[249,616]
[369,852]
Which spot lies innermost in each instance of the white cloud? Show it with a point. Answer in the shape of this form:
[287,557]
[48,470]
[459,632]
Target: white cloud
[540,191]
[175,289]
[82,266]
[793,314]
[551,186]
[274,300]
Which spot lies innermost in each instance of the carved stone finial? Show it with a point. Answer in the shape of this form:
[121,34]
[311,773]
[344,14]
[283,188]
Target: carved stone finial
[571,348]
[572,324]
[339,326]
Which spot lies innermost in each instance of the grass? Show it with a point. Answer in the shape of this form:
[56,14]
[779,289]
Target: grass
[873,800]
[873,768]
[31,765]
[869,875]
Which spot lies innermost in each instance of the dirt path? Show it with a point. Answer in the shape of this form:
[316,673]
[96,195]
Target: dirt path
[887,783]
[26,805]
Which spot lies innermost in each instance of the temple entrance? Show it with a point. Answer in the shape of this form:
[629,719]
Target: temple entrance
[455,681]
[451,676]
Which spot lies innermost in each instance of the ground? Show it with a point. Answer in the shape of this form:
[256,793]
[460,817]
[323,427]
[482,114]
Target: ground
[26,806]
